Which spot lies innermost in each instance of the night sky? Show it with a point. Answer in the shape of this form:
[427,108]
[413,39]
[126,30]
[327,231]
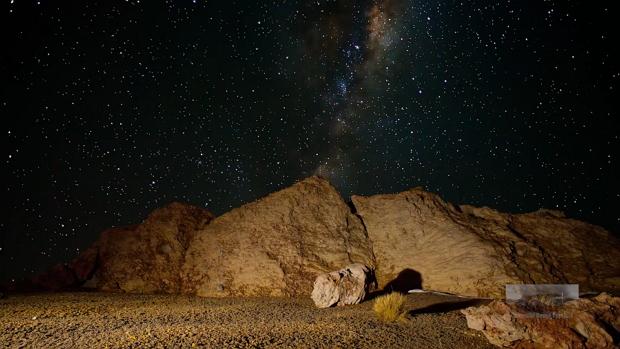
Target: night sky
[114,108]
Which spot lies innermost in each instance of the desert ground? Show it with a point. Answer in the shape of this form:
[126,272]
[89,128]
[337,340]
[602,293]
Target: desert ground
[112,320]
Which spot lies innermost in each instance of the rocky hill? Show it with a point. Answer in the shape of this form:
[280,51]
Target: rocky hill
[277,245]
[476,251]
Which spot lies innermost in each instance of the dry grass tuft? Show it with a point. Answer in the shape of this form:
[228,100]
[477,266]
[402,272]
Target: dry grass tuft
[390,307]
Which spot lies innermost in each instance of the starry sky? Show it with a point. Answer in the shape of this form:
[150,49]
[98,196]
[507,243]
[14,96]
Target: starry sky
[114,108]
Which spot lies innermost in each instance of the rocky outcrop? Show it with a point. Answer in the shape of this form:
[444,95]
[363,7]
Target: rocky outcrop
[142,258]
[277,245]
[581,323]
[476,251]
[346,286]
[147,258]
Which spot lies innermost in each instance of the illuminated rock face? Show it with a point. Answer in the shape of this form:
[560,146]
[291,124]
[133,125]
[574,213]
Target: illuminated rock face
[279,244]
[276,246]
[477,251]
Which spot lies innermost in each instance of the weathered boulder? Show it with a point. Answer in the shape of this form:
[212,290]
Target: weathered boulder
[349,285]
[419,240]
[581,323]
[277,245]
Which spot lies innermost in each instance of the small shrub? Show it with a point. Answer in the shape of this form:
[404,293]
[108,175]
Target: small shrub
[390,307]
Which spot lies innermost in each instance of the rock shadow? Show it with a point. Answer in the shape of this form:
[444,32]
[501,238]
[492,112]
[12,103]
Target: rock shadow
[408,279]
[444,307]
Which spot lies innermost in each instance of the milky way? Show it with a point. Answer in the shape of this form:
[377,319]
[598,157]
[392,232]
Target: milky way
[365,58]
[114,108]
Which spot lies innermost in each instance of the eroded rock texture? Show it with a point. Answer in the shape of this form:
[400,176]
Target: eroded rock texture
[581,323]
[346,286]
[147,258]
[419,240]
[276,246]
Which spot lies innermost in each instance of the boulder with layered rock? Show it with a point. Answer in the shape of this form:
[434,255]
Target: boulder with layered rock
[581,323]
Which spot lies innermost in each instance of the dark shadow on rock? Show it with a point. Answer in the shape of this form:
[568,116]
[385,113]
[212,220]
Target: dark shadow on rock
[407,280]
[612,331]
[444,307]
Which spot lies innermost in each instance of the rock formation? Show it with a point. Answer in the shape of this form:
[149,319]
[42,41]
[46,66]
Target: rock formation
[142,258]
[349,285]
[277,245]
[476,251]
[147,258]
[581,323]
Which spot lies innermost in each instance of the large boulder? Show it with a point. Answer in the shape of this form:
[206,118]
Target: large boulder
[419,240]
[349,285]
[276,245]
[147,258]
[581,323]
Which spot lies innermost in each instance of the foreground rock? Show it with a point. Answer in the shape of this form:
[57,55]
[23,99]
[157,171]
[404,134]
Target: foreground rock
[277,245]
[346,286]
[421,241]
[582,323]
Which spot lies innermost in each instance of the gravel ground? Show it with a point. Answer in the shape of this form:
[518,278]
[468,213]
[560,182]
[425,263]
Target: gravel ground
[104,320]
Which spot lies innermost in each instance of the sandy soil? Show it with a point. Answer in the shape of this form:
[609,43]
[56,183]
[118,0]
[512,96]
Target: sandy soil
[100,320]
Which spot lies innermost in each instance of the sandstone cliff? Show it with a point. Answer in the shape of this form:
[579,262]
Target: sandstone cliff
[476,251]
[277,245]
